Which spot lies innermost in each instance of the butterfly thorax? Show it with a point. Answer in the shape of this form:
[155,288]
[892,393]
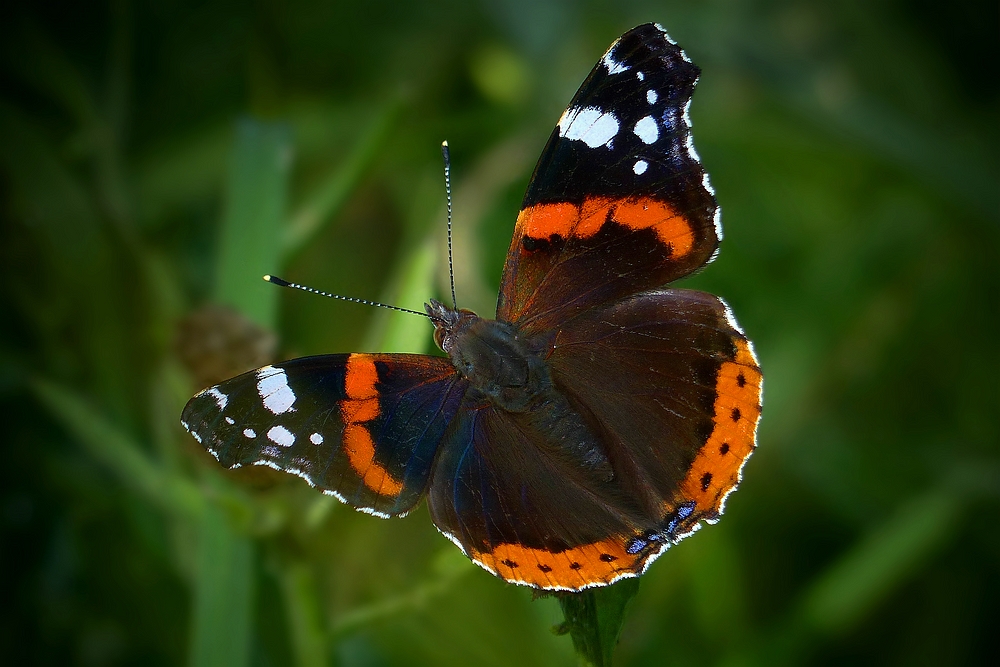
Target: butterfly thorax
[510,371]
[492,356]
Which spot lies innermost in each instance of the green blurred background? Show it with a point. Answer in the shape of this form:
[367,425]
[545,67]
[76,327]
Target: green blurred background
[157,158]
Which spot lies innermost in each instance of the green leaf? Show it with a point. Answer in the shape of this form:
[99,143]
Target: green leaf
[448,566]
[393,331]
[224,587]
[594,619]
[255,208]
[331,194]
[877,565]
[306,627]
[108,444]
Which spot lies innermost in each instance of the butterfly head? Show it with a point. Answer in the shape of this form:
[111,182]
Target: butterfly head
[449,323]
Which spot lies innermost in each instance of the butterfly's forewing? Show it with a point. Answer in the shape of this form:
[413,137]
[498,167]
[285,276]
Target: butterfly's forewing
[362,427]
[619,202]
[668,385]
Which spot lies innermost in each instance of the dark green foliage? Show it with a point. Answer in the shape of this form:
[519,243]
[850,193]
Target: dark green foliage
[594,620]
[157,158]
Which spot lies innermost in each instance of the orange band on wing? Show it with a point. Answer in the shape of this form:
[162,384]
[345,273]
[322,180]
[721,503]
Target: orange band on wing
[670,227]
[542,221]
[595,563]
[716,468]
[363,410]
[361,376]
[361,406]
[361,453]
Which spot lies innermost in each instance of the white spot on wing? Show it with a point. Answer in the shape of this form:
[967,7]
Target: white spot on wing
[331,492]
[373,512]
[250,433]
[280,435]
[220,399]
[453,540]
[589,125]
[705,183]
[689,144]
[289,469]
[647,130]
[230,421]
[689,141]
[651,96]
[614,67]
[640,167]
[731,319]
[640,76]
[316,439]
[669,39]
[272,385]
[196,437]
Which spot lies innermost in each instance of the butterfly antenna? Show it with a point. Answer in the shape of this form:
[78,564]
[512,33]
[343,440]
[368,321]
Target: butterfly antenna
[275,280]
[447,188]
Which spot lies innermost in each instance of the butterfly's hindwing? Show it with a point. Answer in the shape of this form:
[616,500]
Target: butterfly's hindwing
[362,427]
[676,387]
[503,494]
[656,381]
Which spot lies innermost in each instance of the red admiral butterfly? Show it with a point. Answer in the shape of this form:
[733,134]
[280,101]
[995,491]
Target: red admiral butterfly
[600,418]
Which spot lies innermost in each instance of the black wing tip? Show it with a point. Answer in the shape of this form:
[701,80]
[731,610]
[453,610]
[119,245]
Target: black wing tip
[655,38]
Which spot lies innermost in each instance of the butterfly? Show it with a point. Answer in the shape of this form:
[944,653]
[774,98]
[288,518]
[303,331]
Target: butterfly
[600,418]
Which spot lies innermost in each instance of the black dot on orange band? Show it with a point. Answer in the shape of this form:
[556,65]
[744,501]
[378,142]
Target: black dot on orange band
[724,449]
[575,566]
[741,380]
[607,558]
[544,568]
[706,479]
[736,414]
[509,563]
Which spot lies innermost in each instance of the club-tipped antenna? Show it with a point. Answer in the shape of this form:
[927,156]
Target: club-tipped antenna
[275,280]
[447,188]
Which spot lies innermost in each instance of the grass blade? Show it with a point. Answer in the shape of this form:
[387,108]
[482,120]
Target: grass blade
[333,192]
[877,565]
[223,604]
[106,443]
[255,209]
